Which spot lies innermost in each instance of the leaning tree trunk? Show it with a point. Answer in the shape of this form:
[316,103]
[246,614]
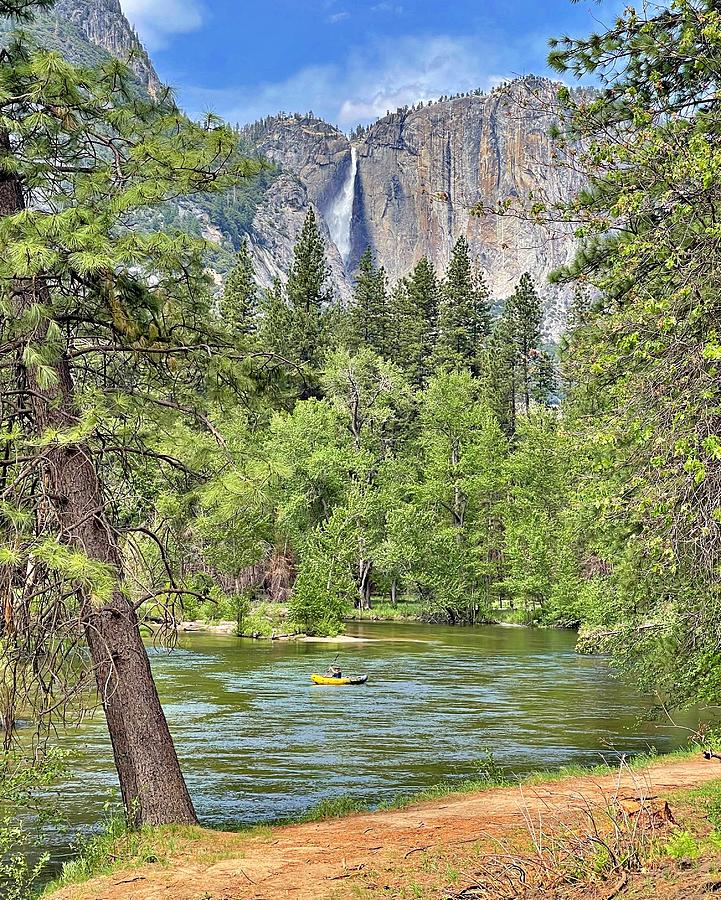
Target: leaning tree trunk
[152,785]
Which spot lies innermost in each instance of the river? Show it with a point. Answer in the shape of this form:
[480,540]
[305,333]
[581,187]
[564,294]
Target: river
[258,741]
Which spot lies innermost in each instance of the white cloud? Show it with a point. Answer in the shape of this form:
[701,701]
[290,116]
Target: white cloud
[338,17]
[156,20]
[385,7]
[372,80]
[422,69]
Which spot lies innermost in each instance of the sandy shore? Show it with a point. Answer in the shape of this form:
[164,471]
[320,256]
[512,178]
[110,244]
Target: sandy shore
[220,628]
[230,629]
[338,639]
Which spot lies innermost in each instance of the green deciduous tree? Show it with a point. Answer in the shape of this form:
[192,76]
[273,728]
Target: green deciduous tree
[461,452]
[373,400]
[646,360]
[538,489]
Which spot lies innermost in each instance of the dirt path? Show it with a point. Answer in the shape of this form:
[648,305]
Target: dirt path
[379,854]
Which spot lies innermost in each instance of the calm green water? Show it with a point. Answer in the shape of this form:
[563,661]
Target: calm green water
[258,741]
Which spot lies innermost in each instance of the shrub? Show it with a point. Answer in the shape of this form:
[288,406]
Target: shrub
[317,609]
[23,794]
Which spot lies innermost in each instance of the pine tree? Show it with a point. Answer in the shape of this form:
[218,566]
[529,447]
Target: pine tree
[525,317]
[368,316]
[544,381]
[239,303]
[464,318]
[500,372]
[419,323]
[307,286]
[303,319]
[106,330]
[397,312]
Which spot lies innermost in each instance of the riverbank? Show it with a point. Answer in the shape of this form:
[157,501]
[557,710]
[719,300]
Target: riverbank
[598,833]
[231,628]
[270,622]
[414,612]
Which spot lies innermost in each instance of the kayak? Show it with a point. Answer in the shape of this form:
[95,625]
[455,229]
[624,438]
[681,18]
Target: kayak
[349,679]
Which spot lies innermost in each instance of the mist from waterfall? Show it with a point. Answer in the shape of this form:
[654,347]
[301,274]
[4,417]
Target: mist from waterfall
[340,214]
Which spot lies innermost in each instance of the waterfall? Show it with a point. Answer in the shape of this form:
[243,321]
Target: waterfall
[340,214]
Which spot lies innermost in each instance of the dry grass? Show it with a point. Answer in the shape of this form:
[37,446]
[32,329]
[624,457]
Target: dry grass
[606,840]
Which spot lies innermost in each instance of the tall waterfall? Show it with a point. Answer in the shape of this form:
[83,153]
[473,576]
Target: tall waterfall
[340,214]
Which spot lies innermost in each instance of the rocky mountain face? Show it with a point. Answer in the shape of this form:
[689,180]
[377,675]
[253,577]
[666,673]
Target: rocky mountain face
[407,186]
[85,31]
[277,226]
[314,160]
[419,175]
[422,174]
[104,24]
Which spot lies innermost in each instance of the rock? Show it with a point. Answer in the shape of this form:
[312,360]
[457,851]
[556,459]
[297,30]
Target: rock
[312,149]
[276,228]
[104,24]
[76,27]
[420,173]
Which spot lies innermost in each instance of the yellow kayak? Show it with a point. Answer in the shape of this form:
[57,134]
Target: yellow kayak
[349,679]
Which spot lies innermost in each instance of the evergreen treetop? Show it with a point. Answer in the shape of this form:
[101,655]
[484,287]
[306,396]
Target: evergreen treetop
[239,303]
[464,315]
[368,317]
[308,279]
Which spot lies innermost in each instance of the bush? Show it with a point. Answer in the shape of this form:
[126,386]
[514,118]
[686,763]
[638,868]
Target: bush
[318,610]
[217,607]
[519,616]
[264,619]
[23,791]
[683,845]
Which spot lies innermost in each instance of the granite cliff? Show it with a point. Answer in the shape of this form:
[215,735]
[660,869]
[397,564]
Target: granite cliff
[418,174]
[88,31]
[406,186]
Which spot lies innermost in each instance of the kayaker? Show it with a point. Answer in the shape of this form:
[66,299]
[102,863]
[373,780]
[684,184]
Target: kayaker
[334,672]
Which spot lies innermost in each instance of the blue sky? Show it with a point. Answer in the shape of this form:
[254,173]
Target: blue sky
[347,60]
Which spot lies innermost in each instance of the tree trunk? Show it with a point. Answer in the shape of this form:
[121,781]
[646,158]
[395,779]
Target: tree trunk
[394,592]
[526,377]
[152,785]
[368,587]
[365,568]
[151,782]
[459,500]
